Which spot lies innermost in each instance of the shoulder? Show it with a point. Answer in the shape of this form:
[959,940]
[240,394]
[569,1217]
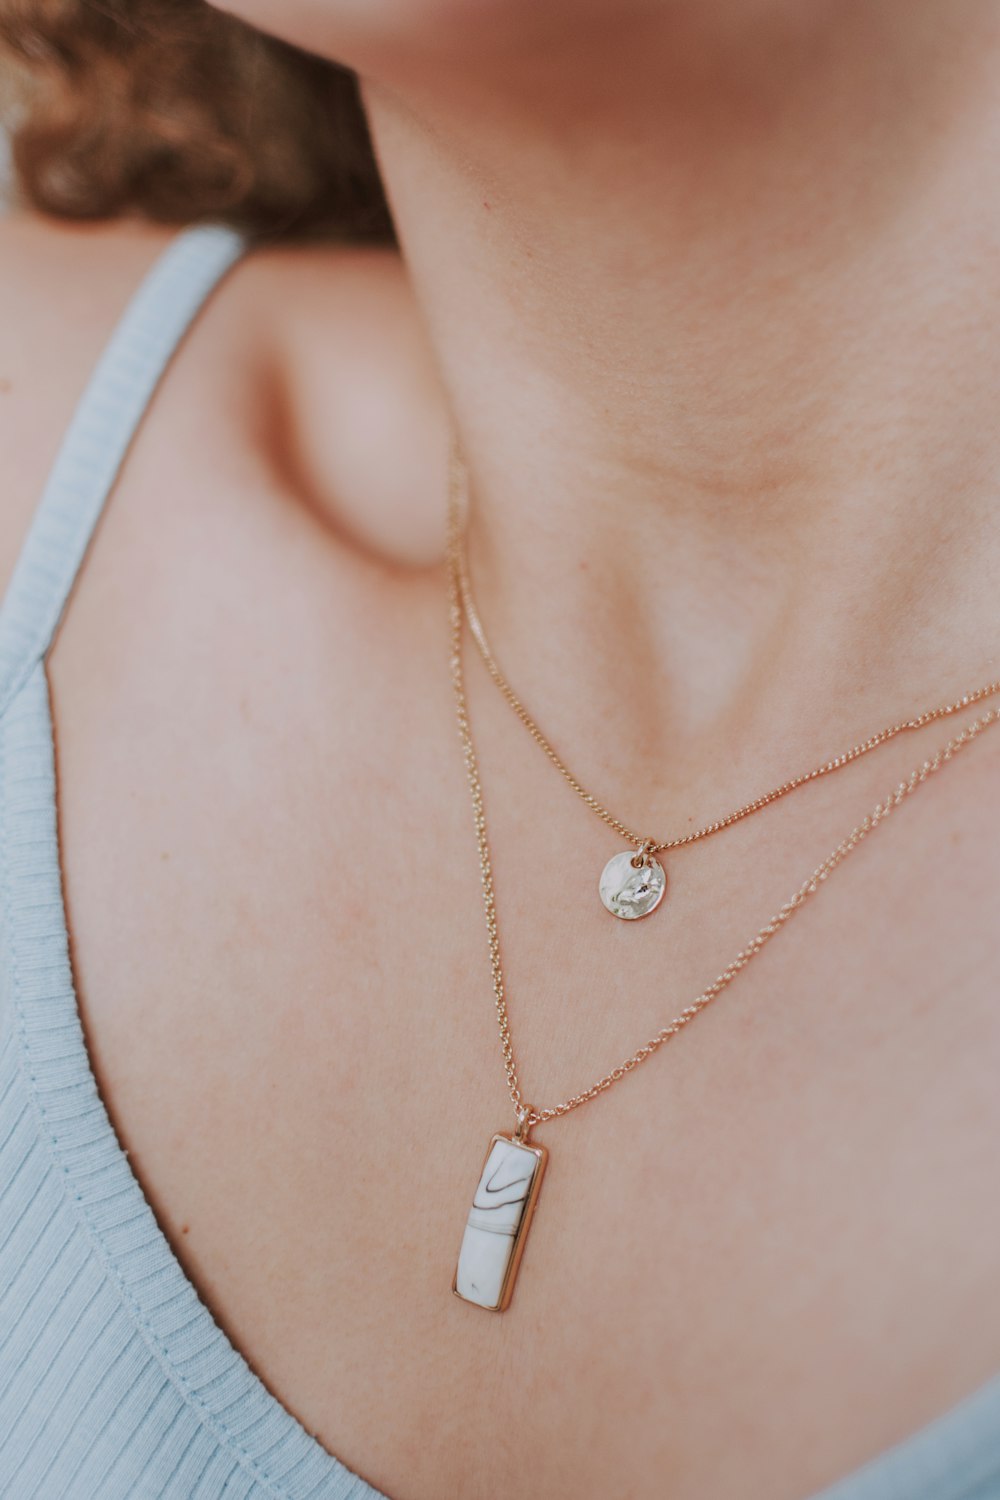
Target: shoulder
[326,337]
[61,288]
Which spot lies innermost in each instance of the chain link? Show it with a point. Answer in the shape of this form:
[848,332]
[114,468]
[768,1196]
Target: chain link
[459,502]
[527,1114]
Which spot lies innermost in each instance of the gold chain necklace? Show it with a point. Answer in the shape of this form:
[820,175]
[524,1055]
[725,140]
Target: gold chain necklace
[509,1182]
[632,884]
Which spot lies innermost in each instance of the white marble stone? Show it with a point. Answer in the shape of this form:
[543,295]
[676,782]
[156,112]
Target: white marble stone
[496,1221]
[629,892]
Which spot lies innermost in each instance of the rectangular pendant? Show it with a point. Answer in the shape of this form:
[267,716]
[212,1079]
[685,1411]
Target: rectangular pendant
[498,1222]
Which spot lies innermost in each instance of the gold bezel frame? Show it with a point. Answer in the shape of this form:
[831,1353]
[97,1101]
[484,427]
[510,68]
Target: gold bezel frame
[510,1276]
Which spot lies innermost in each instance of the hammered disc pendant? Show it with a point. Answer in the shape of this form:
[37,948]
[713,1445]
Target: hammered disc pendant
[498,1221]
[629,891]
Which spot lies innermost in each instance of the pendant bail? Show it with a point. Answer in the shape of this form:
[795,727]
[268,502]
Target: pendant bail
[524,1124]
[643,854]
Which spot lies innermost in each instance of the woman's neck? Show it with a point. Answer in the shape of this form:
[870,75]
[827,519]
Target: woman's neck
[721,344]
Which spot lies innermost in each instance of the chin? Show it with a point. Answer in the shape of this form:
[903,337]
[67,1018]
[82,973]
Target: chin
[328,26]
[424,43]
[374,36]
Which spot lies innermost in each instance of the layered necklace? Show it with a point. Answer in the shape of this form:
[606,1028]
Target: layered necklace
[631,885]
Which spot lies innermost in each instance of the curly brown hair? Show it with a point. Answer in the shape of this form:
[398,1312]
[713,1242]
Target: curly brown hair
[176,112]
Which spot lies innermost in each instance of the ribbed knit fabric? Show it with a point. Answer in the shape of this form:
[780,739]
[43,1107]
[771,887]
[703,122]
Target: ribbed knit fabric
[115,1381]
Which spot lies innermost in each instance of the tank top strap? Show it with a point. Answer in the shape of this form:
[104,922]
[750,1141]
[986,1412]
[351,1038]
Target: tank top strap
[98,436]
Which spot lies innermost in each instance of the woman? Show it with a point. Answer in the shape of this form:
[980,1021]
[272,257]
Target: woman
[707,295]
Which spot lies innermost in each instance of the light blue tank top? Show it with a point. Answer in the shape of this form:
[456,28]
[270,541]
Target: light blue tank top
[116,1383]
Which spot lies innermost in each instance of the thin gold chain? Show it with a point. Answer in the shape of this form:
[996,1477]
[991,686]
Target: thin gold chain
[529,1115]
[458,505]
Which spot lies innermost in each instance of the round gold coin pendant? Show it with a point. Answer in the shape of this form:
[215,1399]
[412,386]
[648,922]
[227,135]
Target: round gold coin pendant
[630,890]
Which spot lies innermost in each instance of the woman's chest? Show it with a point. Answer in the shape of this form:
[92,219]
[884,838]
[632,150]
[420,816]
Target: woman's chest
[756,1261]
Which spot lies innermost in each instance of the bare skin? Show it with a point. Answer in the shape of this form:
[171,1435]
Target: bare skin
[769,1253]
